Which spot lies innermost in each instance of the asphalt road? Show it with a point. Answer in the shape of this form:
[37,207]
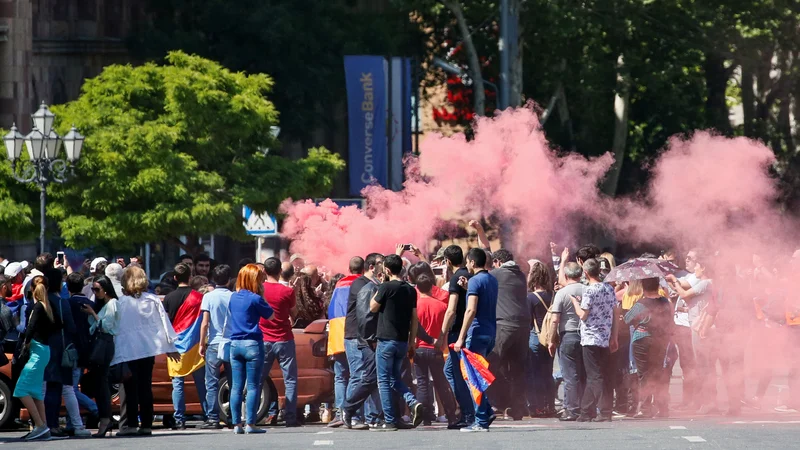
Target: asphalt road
[761,430]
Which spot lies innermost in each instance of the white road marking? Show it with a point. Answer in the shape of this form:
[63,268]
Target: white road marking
[324,432]
[323,442]
[741,422]
[694,438]
[677,427]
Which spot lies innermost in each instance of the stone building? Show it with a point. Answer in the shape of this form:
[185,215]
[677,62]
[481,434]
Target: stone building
[48,47]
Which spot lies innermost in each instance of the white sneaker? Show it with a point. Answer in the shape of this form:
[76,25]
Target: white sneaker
[785,409]
[442,419]
[82,432]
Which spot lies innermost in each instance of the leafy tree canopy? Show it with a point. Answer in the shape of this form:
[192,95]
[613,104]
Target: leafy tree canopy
[176,150]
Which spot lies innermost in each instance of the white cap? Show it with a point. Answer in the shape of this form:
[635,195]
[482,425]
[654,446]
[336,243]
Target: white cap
[13,269]
[95,262]
[4,263]
[24,264]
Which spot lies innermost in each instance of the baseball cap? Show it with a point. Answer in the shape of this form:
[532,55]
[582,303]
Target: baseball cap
[296,256]
[439,254]
[95,262]
[13,269]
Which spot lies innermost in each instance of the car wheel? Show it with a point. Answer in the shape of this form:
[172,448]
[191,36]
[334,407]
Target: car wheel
[224,399]
[6,404]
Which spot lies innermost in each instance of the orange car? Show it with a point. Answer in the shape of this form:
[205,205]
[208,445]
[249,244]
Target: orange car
[8,405]
[314,380]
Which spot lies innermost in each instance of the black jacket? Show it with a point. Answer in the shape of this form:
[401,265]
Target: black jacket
[366,319]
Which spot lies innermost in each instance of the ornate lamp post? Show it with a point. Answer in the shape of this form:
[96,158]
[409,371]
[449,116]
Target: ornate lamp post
[45,167]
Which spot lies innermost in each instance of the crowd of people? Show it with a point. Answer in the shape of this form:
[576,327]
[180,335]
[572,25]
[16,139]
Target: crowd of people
[395,331]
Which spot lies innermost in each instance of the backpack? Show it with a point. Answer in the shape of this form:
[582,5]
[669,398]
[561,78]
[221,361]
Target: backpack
[549,332]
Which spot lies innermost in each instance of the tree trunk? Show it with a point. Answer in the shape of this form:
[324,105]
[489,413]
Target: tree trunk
[191,246]
[716,86]
[515,94]
[621,107]
[478,95]
[748,97]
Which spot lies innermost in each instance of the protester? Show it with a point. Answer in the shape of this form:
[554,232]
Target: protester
[278,337]
[202,265]
[510,354]
[246,308]
[428,359]
[104,323]
[214,308]
[541,391]
[451,328]
[697,296]
[114,273]
[396,303]
[599,314]
[570,351]
[77,304]
[173,302]
[141,336]
[682,336]
[28,389]
[309,304]
[652,321]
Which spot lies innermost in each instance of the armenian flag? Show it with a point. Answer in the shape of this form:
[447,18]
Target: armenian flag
[187,326]
[475,370]
[337,312]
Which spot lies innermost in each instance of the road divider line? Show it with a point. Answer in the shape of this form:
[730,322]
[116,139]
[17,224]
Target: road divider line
[677,427]
[694,438]
[323,442]
[324,432]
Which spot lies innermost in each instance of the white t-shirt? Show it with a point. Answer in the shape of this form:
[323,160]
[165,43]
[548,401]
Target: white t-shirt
[682,318]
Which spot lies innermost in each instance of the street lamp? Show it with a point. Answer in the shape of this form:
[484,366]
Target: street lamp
[45,167]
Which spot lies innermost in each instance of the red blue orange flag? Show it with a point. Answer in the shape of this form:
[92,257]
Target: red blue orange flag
[337,313]
[187,326]
[475,370]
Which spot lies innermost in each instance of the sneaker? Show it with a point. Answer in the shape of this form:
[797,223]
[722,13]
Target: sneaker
[38,433]
[238,430]
[82,433]
[404,425]
[417,412]
[457,426]
[179,425]
[254,430]
[707,409]
[491,420]
[583,418]
[211,426]
[785,409]
[618,415]
[475,428]
[384,427]
[58,433]
[442,419]
[336,423]
[127,431]
[567,417]
[754,403]
[272,419]
[356,424]
[144,432]
[602,419]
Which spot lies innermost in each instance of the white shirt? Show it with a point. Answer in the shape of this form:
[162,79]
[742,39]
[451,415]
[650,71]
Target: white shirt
[144,329]
[682,318]
[108,318]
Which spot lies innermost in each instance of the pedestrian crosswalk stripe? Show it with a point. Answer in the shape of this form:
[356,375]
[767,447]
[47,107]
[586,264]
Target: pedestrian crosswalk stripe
[694,438]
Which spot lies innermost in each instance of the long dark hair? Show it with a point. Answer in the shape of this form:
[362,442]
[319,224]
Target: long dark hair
[107,286]
[309,305]
[540,276]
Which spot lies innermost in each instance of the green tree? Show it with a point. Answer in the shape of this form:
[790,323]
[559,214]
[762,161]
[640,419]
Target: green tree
[15,212]
[176,150]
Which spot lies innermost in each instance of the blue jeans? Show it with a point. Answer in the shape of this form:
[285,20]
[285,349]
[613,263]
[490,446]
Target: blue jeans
[247,363]
[541,388]
[355,360]
[389,357]
[213,364]
[452,370]
[286,354]
[570,354]
[341,377]
[83,401]
[481,345]
[179,399]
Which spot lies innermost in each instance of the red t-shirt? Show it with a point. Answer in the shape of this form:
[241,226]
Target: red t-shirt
[430,312]
[281,299]
[440,294]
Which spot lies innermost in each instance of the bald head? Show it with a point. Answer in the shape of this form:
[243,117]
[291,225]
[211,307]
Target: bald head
[287,271]
[356,265]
